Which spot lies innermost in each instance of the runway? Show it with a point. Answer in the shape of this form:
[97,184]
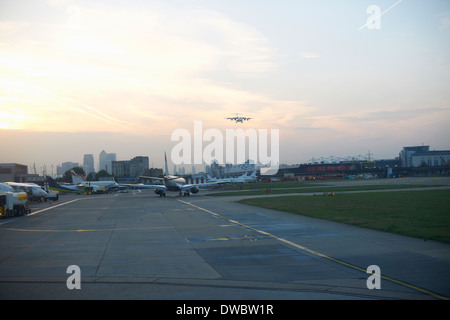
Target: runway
[141,246]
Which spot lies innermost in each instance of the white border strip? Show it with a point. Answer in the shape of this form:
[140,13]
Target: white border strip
[39,211]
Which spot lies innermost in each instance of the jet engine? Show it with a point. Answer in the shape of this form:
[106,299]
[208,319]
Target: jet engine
[194,190]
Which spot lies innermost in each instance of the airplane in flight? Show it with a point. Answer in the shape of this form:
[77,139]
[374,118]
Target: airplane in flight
[238,118]
[34,191]
[176,183]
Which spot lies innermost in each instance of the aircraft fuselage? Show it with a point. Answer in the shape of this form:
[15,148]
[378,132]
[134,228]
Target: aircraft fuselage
[174,183]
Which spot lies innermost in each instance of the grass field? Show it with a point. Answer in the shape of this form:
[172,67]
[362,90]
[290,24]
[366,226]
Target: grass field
[281,184]
[314,188]
[421,214]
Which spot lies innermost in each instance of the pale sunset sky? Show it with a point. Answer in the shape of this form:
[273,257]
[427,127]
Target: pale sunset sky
[80,76]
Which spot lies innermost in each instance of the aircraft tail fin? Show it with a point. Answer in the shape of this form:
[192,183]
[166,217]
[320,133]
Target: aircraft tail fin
[52,183]
[166,168]
[77,179]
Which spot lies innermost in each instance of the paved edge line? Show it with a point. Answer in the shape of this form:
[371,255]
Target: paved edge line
[315,252]
[39,211]
[45,209]
[52,207]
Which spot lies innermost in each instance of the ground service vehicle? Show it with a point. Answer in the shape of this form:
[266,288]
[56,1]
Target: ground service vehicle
[13,204]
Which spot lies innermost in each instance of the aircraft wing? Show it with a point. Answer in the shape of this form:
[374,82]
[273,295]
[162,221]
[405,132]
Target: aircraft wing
[199,185]
[153,178]
[145,186]
[157,187]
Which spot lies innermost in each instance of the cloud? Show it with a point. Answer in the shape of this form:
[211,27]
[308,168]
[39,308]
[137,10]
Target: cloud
[444,19]
[249,52]
[308,55]
[10,28]
[395,115]
[139,71]
[58,2]
[388,125]
[172,43]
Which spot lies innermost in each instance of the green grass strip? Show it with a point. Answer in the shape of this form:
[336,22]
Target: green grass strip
[420,214]
[263,191]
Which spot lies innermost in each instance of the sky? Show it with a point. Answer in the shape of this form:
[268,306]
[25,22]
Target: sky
[339,78]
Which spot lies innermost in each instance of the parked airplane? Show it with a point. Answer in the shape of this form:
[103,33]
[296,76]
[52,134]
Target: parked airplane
[5,188]
[176,183]
[139,185]
[102,186]
[53,185]
[238,118]
[34,191]
[211,179]
[241,179]
[98,186]
[245,178]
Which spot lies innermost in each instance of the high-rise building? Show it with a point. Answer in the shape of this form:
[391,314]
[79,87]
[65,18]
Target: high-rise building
[138,165]
[105,161]
[88,163]
[121,168]
[66,166]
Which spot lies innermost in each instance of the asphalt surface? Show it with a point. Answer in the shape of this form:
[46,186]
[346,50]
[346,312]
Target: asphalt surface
[139,246]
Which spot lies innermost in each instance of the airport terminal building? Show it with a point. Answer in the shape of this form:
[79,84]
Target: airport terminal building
[15,172]
[421,156]
[412,161]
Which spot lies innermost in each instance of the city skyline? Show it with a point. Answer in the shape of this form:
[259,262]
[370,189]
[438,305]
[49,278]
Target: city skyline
[79,77]
[187,169]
